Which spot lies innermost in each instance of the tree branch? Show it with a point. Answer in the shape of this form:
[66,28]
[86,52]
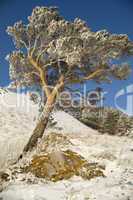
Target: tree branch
[34,46]
[58,86]
[93,75]
[40,54]
[42,75]
[24,44]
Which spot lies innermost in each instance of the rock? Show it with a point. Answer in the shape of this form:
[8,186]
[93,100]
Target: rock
[61,165]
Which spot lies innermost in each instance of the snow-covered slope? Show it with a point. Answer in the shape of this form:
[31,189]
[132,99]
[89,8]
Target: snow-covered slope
[116,153]
[18,115]
[17,120]
[67,124]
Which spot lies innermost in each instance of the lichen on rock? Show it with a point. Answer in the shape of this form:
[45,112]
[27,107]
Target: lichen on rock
[61,165]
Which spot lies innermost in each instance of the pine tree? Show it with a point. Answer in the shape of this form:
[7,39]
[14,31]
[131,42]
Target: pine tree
[54,53]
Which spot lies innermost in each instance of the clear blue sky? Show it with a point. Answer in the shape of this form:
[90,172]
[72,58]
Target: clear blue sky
[114,15]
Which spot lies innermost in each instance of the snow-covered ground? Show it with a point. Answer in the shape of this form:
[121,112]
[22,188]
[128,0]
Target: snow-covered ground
[17,120]
[115,153]
[67,124]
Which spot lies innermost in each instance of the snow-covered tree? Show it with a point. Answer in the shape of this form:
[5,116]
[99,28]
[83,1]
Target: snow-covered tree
[51,51]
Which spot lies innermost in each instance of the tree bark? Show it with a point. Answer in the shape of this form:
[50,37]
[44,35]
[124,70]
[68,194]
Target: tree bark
[41,125]
[43,121]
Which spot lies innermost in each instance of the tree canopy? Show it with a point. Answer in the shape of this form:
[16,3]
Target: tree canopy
[51,50]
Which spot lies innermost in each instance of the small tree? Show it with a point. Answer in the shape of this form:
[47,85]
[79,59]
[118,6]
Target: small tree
[52,51]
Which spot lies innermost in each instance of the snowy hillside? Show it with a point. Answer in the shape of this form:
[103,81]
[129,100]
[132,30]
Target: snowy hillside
[17,120]
[113,152]
[18,115]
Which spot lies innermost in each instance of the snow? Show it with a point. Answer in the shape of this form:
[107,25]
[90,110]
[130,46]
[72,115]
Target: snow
[70,125]
[115,153]
[17,120]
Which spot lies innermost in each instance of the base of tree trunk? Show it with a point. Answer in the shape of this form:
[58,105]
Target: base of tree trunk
[40,127]
[37,134]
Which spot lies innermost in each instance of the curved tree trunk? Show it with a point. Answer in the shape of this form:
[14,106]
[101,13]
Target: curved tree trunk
[43,121]
[41,125]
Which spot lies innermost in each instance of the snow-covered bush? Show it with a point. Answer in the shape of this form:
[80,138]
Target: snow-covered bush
[107,120]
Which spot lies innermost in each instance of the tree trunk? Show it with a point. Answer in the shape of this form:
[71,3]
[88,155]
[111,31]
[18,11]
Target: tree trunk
[43,121]
[41,125]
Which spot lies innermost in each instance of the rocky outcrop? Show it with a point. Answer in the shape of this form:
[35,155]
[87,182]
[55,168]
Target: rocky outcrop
[60,165]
